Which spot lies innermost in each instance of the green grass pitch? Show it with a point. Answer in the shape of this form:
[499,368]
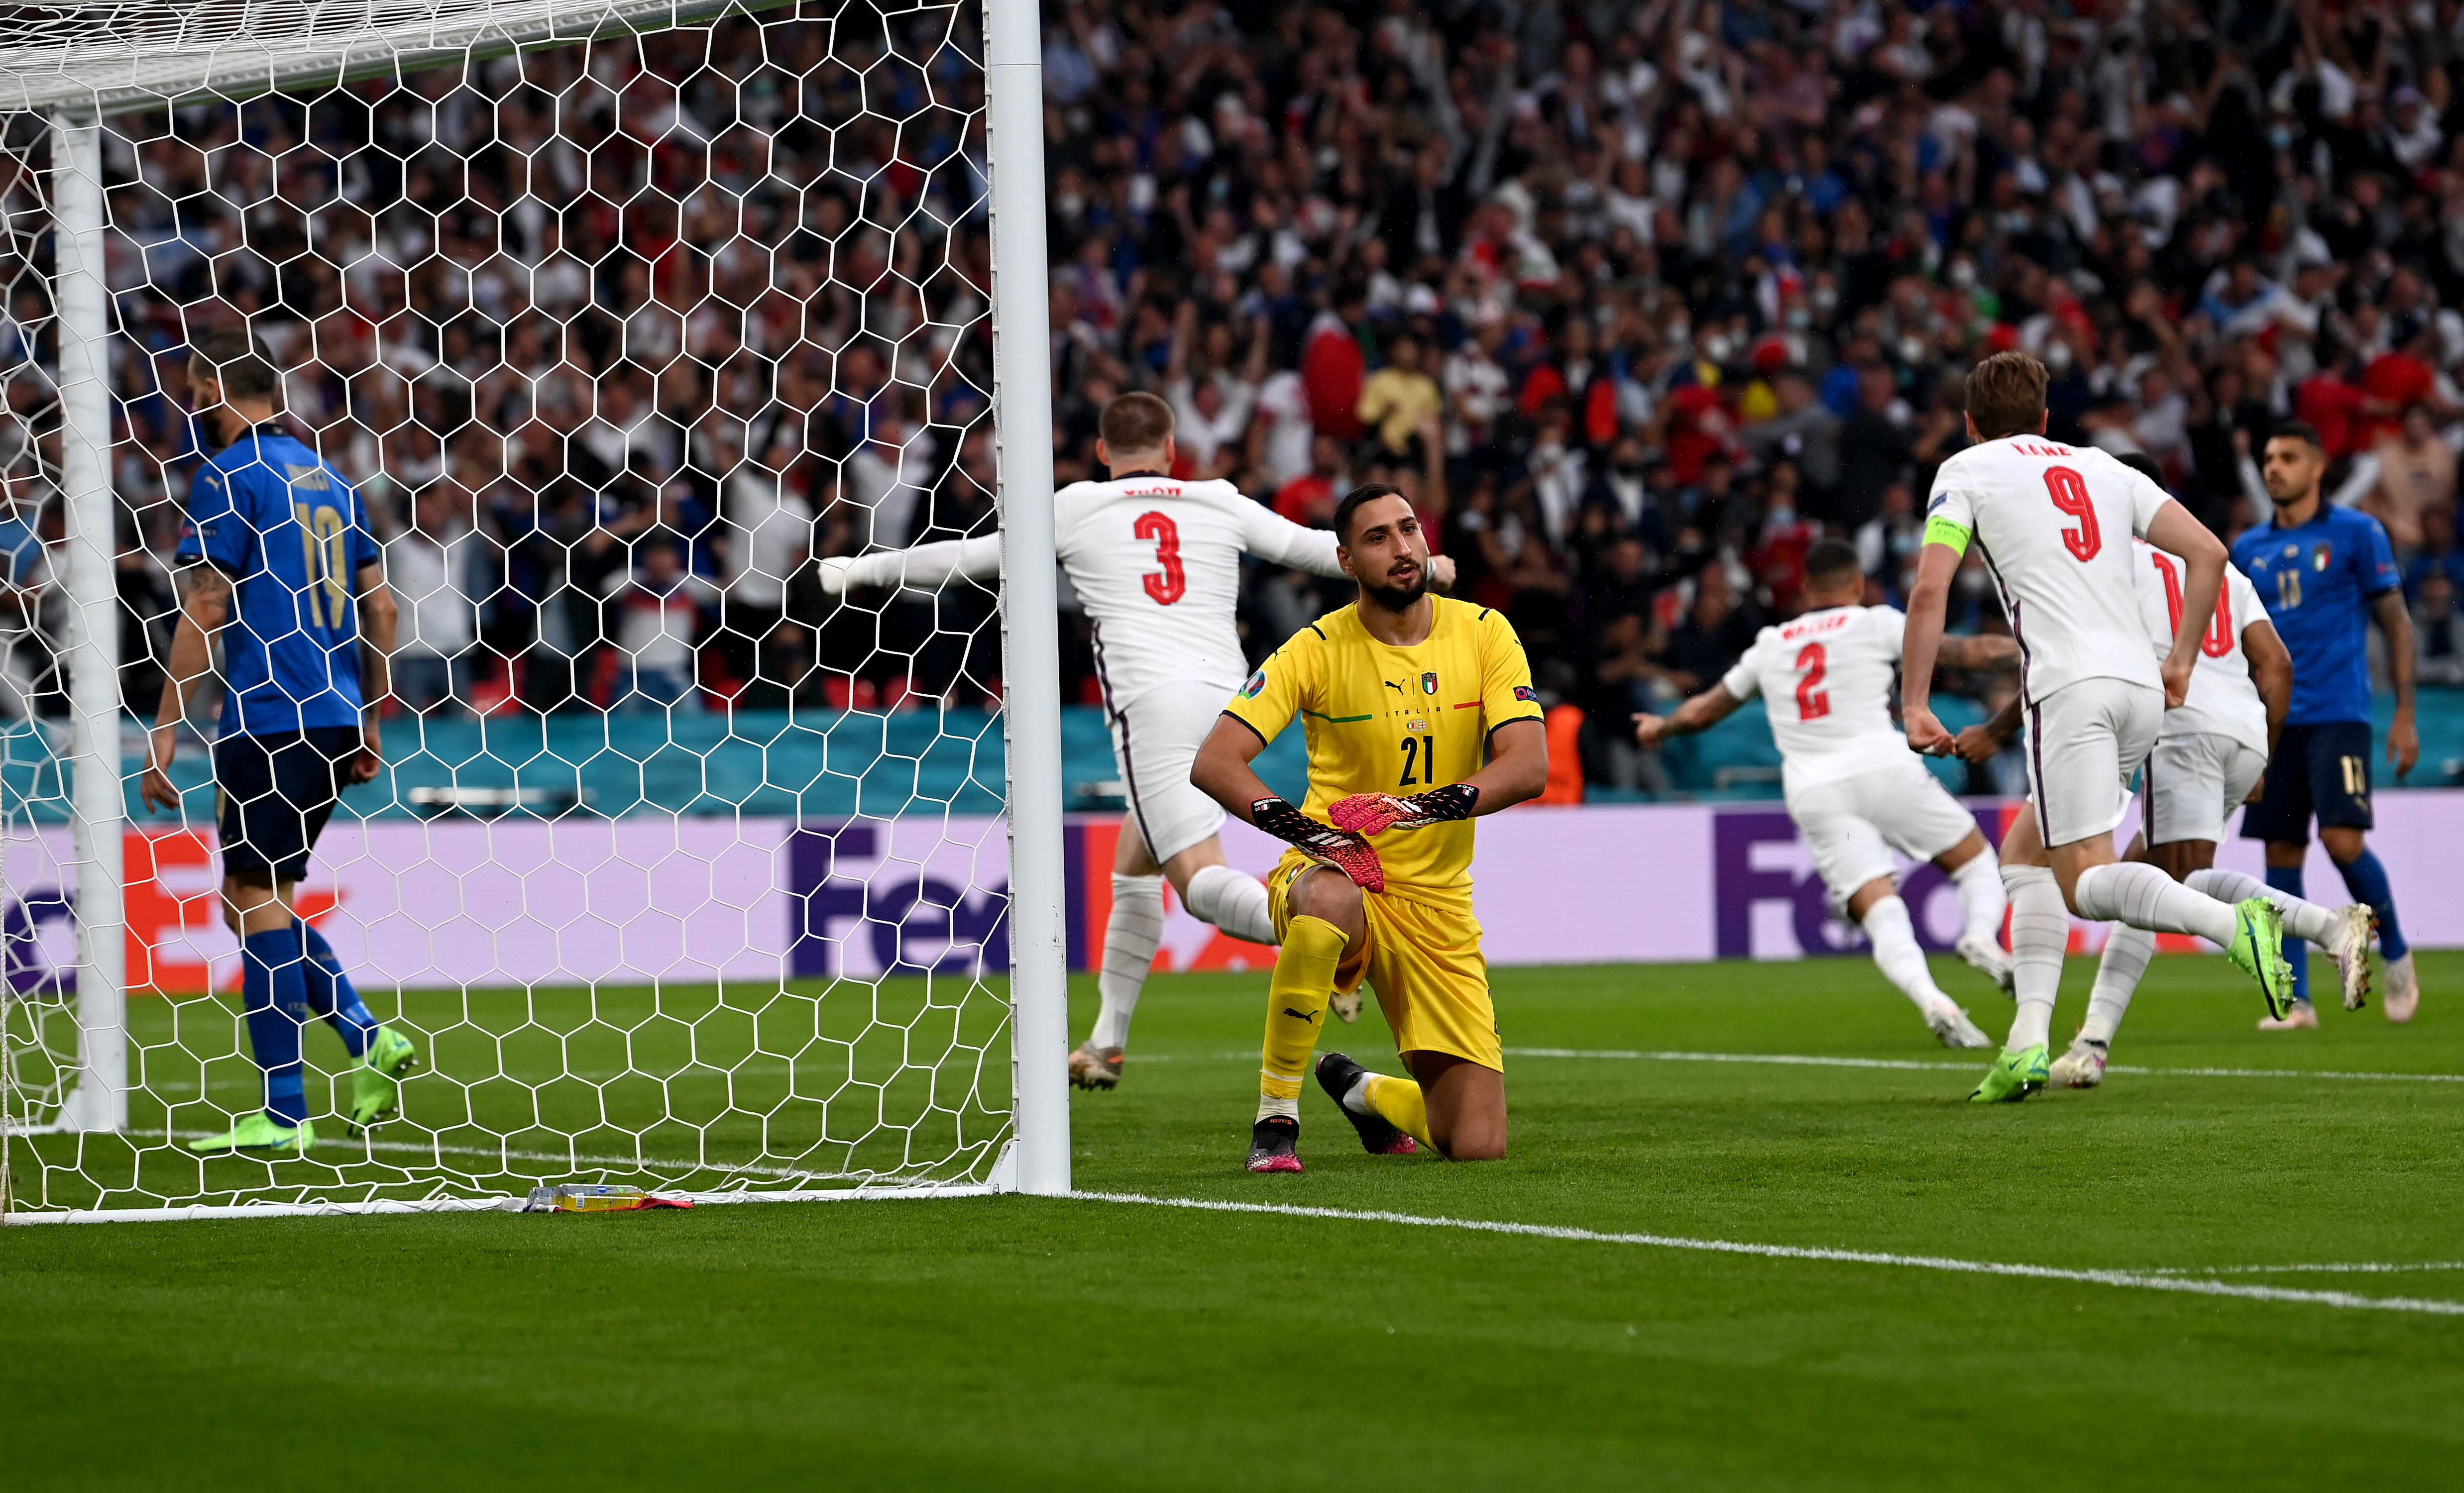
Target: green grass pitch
[1002,1343]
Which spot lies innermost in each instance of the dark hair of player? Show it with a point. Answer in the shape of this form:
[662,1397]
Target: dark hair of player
[2006,395]
[2146,466]
[1368,492]
[1832,559]
[238,362]
[2297,430]
[1134,423]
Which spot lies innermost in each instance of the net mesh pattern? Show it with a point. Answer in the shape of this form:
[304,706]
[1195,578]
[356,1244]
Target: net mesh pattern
[676,869]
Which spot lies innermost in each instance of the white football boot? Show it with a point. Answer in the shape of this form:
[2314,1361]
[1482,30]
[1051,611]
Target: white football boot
[1986,957]
[2404,989]
[1951,1025]
[2082,1066]
[2350,948]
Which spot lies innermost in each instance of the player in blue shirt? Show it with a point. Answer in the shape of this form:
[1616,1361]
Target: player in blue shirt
[283,567]
[2324,572]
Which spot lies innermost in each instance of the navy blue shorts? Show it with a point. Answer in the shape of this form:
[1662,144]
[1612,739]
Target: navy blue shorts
[2321,770]
[272,795]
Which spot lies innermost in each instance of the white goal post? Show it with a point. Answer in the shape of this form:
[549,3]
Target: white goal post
[76,1148]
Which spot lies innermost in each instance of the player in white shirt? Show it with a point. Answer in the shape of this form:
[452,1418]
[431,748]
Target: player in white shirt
[1156,563]
[2055,526]
[1855,790]
[2209,755]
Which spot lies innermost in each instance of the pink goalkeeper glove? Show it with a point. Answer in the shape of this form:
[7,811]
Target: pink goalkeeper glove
[1370,813]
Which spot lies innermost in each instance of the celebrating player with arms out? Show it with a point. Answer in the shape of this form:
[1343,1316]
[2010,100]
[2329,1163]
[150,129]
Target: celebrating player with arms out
[2208,758]
[1851,787]
[279,544]
[1156,563]
[1420,715]
[2324,573]
[2055,526]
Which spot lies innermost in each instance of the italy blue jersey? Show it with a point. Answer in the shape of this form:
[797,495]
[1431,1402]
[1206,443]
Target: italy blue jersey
[2319,582]
[292,535]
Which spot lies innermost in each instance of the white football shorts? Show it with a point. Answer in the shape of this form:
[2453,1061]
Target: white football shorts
[2085,742]
[1852,823]
[1155,739]
[2194,782]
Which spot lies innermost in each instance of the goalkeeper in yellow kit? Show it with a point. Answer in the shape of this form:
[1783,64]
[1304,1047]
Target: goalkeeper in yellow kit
[1420,715]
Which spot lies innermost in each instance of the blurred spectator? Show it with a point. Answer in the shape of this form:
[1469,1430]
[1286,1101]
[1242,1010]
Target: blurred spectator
[25,583]
[1715,634]
[432,567]
[768,527]
[1398,399]
[657,606]
[2438,632]
[2416,478]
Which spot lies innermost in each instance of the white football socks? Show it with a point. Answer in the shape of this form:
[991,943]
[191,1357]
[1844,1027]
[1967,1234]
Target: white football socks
[2040,933]
[1132,934]
[2117,975]
[1233,901]
[2301,920]
[2137,893]
[1899,955]
[1980,894]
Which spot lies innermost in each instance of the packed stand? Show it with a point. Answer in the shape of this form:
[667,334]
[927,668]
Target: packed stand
[1637,303]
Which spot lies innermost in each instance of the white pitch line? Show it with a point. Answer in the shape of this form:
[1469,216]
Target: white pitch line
[2138,1280]
[1801,1060]
[2379,1268]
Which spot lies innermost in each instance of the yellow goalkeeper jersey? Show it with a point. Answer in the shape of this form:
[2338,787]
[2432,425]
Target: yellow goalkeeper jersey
[1401,720]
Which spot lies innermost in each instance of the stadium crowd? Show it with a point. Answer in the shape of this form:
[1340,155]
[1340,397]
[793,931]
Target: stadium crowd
[1636,300]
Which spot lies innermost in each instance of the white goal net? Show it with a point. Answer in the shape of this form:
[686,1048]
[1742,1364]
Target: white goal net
[597,326]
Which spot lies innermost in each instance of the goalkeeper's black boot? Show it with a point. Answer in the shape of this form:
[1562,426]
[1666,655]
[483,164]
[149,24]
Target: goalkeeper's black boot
[1336,1074]
[1275,1144]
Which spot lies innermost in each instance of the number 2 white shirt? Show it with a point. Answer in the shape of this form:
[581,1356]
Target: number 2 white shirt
[2068,578]
[1827,679]
[1156,563]
[2223,701]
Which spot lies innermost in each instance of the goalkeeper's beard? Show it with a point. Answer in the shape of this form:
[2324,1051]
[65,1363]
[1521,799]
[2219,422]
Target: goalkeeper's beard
[1398,599]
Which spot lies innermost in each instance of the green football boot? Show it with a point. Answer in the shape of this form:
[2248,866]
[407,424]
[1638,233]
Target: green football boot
[376,1083]
[2257,950]
[260,1131]
[2014,1077]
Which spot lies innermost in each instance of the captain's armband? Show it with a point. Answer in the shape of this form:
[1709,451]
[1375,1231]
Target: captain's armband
[1942,531]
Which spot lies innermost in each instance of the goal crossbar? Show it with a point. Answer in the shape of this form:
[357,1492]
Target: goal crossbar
[84,63]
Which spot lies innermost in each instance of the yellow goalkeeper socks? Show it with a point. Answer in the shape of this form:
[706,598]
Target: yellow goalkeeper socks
[1397,1102]
[1296,1000]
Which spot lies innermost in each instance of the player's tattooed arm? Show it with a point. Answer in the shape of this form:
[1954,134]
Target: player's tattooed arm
[204,606]
[1978,743]
[1979,653]
[1700,713]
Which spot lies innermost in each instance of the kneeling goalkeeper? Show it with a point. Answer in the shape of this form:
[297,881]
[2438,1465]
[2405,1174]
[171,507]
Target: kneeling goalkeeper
[1420,716]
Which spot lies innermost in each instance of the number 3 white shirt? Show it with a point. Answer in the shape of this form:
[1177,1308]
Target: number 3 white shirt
[1827,677]
[2223,701]
[2055,524]
[1156,563]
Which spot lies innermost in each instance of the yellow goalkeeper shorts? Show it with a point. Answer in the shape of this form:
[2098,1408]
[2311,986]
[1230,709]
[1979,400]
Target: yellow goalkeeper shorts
[1424,962]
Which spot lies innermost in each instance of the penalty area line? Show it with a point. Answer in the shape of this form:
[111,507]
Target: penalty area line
[2130,1280]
